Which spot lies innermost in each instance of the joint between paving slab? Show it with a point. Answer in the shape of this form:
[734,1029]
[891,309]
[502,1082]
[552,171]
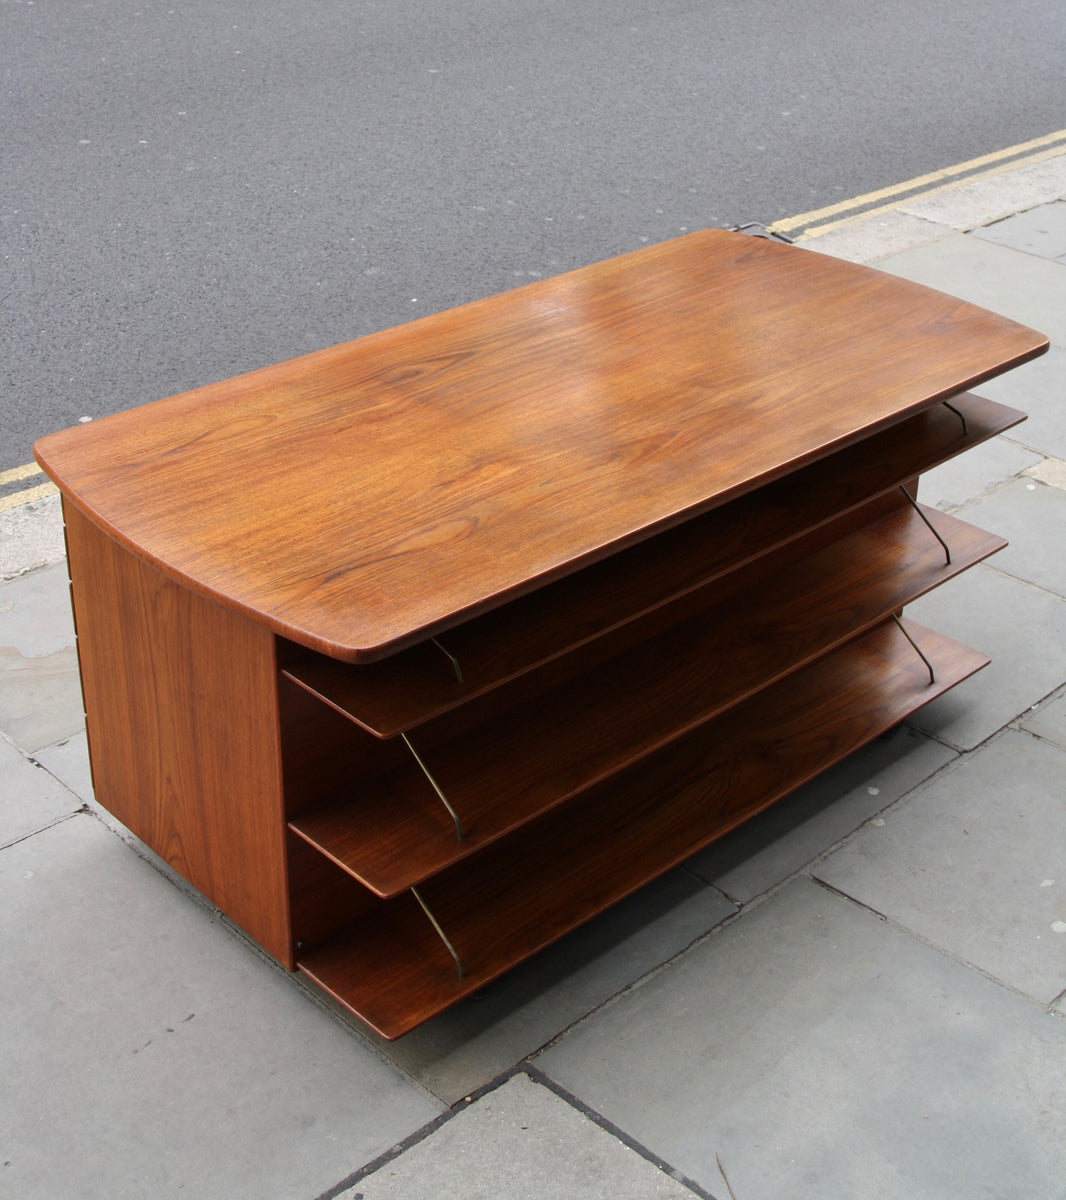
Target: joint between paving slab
[1012,437]
[992,489]
[1036,587]
[906,931]
[961,756]
[413,1139]
[1053,695]
[538,1076]
[1016,727]
[535,1075]
[44,828]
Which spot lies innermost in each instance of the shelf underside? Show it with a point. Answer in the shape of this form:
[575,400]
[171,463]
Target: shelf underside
[416,685]
[393,971]
[592,721]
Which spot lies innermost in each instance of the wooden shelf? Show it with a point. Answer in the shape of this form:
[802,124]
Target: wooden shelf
[618,557]
[399,693]
[393,971]
[523,760]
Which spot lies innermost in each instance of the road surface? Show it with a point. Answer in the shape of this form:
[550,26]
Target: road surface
[193,188]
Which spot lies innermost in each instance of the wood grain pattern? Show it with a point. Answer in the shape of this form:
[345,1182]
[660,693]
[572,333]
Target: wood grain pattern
[401,692]
[519,762]
[651,505]
[324,900]
[183,729]
[357,499]
[523,893]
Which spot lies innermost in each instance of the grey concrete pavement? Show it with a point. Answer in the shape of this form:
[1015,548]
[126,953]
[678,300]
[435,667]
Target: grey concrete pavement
[861,994]
[818,1051]
[521,1141]
[147,1052]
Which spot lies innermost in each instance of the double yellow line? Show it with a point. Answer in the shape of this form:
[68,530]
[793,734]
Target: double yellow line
[24,495]
[819,220]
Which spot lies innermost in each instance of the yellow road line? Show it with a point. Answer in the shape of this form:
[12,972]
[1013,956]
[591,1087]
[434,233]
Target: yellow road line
[26,495]
[23,472]
[921,181]
[955,184]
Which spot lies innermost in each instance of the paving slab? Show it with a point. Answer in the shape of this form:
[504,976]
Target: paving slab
[1027,289]
[469,1045]
[1051,471]
[974,473]
[974,863]
[869,238]
[776,844]
[977,202]
[40,692]
[1039,389]
[822,1053]
[1032,517]
[1040,231]
[31,536]
[521,1142]
[1021,627]
[31,798]
[147,1051]
[68,761]
[1049,720]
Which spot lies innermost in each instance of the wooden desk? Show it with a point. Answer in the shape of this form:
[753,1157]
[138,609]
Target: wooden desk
[414,653]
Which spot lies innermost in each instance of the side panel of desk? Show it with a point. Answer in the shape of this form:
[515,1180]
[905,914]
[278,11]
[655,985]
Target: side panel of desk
[181,703]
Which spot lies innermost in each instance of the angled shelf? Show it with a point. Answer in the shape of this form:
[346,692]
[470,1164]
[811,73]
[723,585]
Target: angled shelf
[516,899]
[415,653]
[523,759]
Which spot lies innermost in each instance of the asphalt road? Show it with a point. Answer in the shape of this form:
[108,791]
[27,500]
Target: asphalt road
[192,189]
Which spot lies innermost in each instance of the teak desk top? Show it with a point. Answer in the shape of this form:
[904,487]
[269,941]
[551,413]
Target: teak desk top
[365,496]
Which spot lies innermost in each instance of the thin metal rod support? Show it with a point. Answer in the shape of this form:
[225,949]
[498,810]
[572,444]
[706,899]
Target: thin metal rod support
[436,787]
[917,648]
[440,932]
[960,414]
[451,658]
[928,524]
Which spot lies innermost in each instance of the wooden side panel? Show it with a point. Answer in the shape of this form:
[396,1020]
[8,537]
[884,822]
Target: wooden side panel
[181,702]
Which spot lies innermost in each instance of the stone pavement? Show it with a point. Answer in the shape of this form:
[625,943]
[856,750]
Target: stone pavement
[861,994]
